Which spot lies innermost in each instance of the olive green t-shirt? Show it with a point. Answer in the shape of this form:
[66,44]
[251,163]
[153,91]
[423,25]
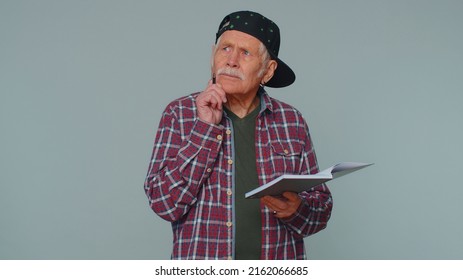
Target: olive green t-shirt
[248,225]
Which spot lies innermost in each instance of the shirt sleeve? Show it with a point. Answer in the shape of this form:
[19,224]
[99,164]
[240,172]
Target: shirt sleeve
[315,210]
[313,213]
[183,157]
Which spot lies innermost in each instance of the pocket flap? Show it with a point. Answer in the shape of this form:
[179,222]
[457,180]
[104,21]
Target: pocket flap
[287,148]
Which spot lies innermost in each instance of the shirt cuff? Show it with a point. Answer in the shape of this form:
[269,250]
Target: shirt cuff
[207,135]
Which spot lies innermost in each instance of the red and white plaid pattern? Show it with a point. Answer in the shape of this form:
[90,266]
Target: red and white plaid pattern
[191,174]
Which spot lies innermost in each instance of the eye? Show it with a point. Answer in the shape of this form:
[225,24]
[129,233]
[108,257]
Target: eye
[246,53]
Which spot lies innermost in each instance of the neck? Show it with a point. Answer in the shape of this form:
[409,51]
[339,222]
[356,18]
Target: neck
[242,105]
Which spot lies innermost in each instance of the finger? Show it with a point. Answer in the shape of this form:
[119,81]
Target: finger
[268,204]
[291,196]
[282,208]
[215,101]
[278,212]
[216,89]
[205,98]
[275,203]
[293,199]
[220,92]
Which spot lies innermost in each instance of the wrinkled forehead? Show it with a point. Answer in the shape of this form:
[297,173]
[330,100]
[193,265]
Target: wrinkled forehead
[238,38]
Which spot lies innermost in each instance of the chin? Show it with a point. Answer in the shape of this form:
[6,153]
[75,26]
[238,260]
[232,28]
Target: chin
[232,88]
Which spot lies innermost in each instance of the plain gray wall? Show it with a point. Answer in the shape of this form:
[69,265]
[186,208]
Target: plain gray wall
[83,84]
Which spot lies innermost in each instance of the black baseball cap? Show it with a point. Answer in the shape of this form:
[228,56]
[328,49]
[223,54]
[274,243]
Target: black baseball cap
[265,31]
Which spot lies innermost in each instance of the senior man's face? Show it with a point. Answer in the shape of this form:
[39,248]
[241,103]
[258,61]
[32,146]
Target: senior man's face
[237,63]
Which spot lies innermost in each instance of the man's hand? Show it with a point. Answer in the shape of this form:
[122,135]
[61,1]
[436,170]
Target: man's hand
[284,207]
[209,103]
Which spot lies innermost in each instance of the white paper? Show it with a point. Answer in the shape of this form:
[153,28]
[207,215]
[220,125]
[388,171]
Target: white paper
[300,183]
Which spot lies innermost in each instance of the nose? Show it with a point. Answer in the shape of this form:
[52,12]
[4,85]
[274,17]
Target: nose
[232,60]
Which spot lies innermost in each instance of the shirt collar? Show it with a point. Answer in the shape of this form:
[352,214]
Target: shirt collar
[265,100]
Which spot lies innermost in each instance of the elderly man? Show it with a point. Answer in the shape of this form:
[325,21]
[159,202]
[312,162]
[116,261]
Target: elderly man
[214,146]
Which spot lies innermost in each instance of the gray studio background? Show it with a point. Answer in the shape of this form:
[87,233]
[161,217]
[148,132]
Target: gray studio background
[83,84]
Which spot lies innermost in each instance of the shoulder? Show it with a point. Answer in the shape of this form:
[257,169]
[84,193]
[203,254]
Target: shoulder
[282,111]
[182,107]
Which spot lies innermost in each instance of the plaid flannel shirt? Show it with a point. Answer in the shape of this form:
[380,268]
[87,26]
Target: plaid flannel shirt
[191,174]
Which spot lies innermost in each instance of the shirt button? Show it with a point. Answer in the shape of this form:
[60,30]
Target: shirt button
[229,224]
[219,137]
[229,192]
[228,131]
[230,161]
[209,170]
[286,151]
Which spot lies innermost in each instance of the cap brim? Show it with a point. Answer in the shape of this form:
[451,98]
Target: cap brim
[283,76]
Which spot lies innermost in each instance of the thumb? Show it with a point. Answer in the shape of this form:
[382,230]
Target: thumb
[291,196]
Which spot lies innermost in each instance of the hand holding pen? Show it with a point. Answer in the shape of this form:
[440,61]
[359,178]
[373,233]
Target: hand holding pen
[209,103]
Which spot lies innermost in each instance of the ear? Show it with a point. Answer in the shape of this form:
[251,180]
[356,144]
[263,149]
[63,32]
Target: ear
[271,67]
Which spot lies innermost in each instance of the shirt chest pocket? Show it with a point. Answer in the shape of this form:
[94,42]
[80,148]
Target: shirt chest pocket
[286,157]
